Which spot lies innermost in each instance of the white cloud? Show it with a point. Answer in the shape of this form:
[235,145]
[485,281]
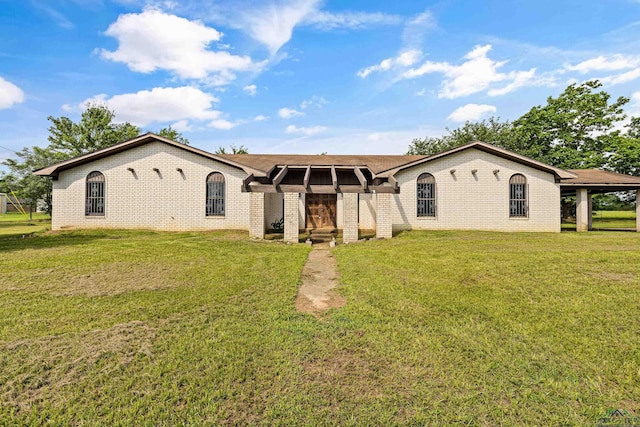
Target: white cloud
[329,21]
[634,105]
[260,118]
[154,40]
[222,124]
[603,63]
[273,25]
[287,113]
[404,59]
[471,112]
[10,94]
[415,30]
[621,78]
[160,105]
[307,131]
[250,89]
[474,75]
[317,101]
[182,126]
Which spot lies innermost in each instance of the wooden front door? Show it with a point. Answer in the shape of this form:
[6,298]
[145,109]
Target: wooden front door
[321,210]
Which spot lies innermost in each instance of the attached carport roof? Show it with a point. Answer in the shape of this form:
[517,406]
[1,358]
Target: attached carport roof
[599,181]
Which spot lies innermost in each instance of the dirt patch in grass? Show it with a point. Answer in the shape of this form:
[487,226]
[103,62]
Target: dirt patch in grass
[36,371]
[317,293]
[114,279]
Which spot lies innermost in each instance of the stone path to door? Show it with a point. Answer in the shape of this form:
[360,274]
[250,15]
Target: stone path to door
[317,293]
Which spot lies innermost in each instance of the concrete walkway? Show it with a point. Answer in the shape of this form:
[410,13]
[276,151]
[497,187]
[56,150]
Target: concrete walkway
[319,278]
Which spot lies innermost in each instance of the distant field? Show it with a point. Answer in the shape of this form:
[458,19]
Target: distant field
[440,328]
[608,219]
[17,224]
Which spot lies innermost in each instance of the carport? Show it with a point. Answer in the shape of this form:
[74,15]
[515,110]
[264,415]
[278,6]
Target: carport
[596,181]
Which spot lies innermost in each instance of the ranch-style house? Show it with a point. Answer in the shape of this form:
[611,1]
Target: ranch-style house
[154,183]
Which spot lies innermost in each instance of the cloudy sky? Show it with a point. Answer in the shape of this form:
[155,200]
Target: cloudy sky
[305,76]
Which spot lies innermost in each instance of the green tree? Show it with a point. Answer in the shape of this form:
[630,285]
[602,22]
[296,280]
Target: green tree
[622,150]
[23,182]
[492,131]
[172,134]
[94,131]
[572,130]
[233,150]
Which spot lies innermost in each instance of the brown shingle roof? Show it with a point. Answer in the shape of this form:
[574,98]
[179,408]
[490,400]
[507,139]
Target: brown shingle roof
[375,163]
[597,177]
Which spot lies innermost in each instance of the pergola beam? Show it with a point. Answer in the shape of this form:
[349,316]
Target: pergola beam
[246,181]
[334,178]
[280,176]
[307,176]
[361,178]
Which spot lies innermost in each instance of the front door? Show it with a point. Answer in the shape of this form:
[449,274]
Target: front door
[321,210]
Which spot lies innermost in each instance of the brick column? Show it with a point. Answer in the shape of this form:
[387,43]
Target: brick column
[350,217]
[291,217]
[583,200]
[256,216]
[638,211]
[384,228]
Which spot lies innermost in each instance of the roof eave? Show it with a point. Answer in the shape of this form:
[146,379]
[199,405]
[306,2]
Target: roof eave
[54,170]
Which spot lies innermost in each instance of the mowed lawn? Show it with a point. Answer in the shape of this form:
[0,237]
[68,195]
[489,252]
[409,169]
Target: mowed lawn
[440,328]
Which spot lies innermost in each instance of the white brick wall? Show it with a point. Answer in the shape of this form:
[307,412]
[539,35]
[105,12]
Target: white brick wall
[256,215]
[479,202]
[350,223]
[291,212]
[172,201]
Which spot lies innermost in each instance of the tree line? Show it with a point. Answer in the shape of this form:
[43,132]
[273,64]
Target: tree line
[581,128]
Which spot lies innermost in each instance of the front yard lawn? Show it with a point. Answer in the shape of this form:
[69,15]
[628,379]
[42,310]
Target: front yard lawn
[440,328]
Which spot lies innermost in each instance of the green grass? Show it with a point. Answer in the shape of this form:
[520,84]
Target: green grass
[18,225]
[608,219]
[440,328]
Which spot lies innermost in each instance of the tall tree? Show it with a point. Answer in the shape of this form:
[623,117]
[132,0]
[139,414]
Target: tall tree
[492,131]
[572,130]
[233,150]
[94,131]
[172,134]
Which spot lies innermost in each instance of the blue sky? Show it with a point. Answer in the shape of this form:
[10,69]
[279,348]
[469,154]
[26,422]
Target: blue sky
[305,76]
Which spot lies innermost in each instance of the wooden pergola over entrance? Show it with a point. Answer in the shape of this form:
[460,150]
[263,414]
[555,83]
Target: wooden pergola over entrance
[596,181]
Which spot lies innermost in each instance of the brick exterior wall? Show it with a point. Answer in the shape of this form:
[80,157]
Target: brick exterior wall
[350,223]
[465,201]
[291,217]
[384,226]
[256,216]
[168,200]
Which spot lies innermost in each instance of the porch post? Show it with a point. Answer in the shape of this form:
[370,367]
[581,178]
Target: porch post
[291,229]
[350,217]
[256,215]
[384,227]
[590,215]
[583,200]
[638,211]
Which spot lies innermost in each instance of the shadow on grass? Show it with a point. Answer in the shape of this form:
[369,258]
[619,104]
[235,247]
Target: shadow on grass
[47,240]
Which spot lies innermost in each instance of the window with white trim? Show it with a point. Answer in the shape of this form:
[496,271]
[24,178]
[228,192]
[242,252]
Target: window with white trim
[426,195]
[518,203]
[215,194]
[94,199]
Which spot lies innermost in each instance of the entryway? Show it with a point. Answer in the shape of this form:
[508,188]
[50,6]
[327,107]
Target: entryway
[321,211]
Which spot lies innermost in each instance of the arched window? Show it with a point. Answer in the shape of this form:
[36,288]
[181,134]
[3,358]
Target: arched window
[215,194]
[426,195]
[94,201]
[518,204]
